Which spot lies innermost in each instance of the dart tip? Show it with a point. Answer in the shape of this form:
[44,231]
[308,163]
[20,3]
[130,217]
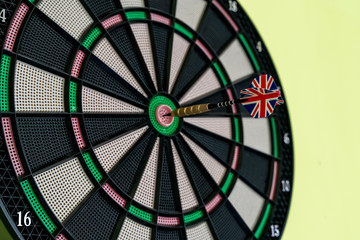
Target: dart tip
[167,115]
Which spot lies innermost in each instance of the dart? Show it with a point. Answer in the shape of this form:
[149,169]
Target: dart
[259,100]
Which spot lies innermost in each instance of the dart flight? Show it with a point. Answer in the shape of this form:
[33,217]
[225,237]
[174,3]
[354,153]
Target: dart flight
[260,100]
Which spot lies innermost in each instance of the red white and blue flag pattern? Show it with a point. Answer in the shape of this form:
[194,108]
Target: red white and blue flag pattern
[262,96]
[267,82]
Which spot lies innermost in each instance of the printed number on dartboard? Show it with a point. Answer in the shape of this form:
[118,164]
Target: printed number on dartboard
[259,46]
[233,6]
[285,185]
[26,220]
[275,231]
[2,15]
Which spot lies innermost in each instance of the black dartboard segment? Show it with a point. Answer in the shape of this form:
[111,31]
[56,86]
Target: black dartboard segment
[82,154]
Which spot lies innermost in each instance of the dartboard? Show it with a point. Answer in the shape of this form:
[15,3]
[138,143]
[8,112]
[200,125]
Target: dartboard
[86,152]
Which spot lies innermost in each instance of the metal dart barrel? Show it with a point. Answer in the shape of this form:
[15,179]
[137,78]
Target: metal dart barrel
[190,110]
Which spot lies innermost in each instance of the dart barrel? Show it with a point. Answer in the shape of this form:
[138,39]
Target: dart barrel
[191,110]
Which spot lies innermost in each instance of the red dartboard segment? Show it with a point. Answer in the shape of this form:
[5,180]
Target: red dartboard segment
[114,195]
[168,221]
[80,56]
[78,134]
[11,146]
[275,176]
[112,21]
[213,203]
[236,158]
[158,18]
[15,26]
[204,49]
[61,237]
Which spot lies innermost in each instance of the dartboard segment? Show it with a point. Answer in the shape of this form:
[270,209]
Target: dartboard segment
[37,90]
[190,12]
[215,169]
[180,48]
[207,83]
[226,223]
[42,43]
[97,102]
[145,193]
[99,75]
[193,67]
[221,126]
[142,36]
[187,194]
[202,182]
[215,29]
[200,231]
[169,234]
[71,17]
[257,134]
[168,194]
[239,68]
[162,38]
[125,174]
[247,202]
[255,160]
[106,53]
[218,147]
[97,219]
[161,5]
[102,128]
[131,228]
[123,40]
[101,8]
[132,3]
[39,135]
[110,153]
[80,88]
[64,187]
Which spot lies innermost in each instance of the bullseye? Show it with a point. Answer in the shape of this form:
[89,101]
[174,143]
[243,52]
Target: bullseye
[166,125]
[162,110]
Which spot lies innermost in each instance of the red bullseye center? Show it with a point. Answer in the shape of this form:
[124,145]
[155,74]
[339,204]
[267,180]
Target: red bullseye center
[162,110]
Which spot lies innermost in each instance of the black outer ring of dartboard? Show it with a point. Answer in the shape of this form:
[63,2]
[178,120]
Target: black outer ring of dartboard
[280,210]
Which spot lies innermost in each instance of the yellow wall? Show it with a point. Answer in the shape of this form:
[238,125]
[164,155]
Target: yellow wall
[315,45]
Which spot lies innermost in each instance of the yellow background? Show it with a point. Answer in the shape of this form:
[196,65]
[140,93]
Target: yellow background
[315,45]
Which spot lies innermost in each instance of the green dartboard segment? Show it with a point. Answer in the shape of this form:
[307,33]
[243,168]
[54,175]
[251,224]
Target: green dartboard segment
[4,83]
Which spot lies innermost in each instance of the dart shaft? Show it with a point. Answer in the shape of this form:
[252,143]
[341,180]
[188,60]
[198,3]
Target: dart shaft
[226,103]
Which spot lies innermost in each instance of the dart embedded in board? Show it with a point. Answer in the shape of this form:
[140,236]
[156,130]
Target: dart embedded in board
[260,100]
